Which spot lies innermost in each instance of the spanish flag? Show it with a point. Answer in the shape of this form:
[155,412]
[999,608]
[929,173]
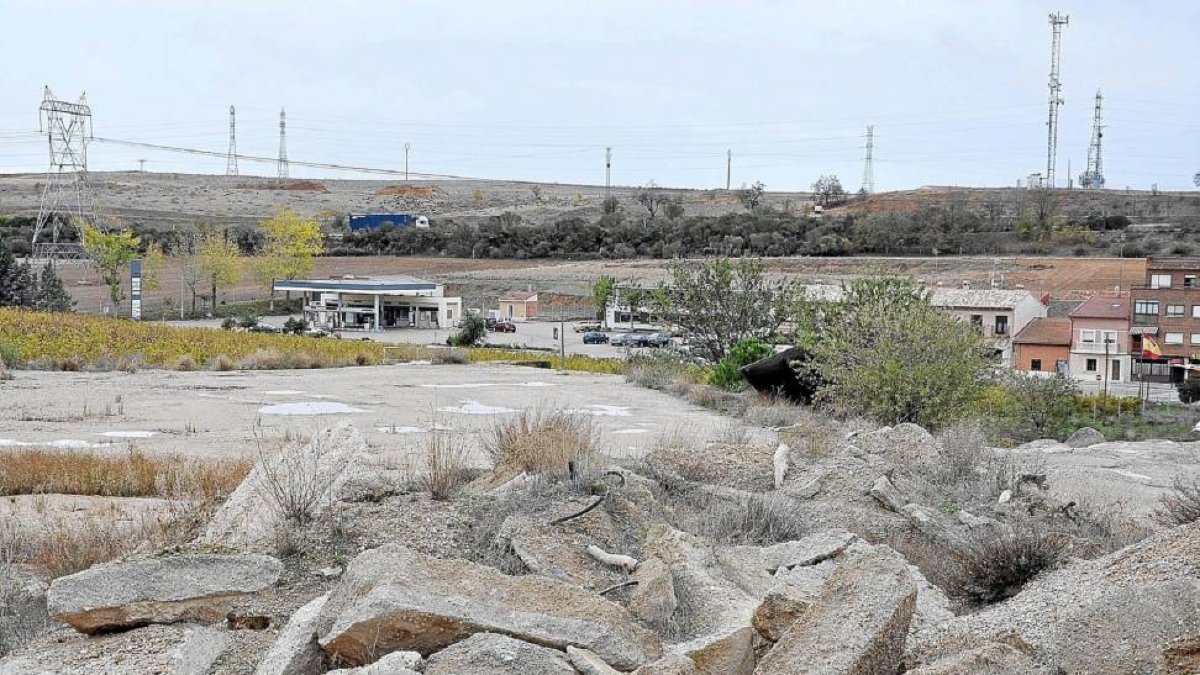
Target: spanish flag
[1150,348]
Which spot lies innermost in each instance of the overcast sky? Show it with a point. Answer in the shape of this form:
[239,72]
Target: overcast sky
[957,90]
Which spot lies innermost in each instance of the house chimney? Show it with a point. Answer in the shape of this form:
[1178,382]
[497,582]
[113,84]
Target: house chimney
[966,285]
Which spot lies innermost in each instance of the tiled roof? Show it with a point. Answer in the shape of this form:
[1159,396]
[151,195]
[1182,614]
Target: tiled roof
[518,296]
[1103,307]
[1045,331]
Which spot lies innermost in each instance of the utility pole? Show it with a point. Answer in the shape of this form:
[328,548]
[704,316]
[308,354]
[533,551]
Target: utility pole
[1057,21]
[231,158]
[1093,175]
[868,181]
[607,171]
[407,147]
[141,166]
[282,164]
[728,168]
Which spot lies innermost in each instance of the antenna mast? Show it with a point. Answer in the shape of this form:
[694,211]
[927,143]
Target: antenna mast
[231,162]
[1057,21]
[1093,176]
[283,160]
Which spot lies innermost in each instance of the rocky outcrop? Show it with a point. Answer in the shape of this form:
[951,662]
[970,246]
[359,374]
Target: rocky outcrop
[296,651]
[392,598]
[23,613]
[196,588]
[887,495]
[588,662]
[906,445]
[857,627]
[493,654]
[252,519]
[991,658]
[170,650]
[1122,613]
[670,665]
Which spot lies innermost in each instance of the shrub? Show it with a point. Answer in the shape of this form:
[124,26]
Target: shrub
[36,471]
[295,477]
[10,354]
[472,330]
[1041,404]
[538,441]
[222,363]
[446,458]
[656,369]
[295,326]
[185,363]
[229,323]
[1189,390]
[449,357]
[760,521]
[1182,505]
[996,565]
[728,373]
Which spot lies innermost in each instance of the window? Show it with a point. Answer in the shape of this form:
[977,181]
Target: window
[1088,336]
[1002,325]
[1035,364]
[1196,311]
[1196,338]
[1160,281]
[977,321]
[1174,310]
[1110,337]
[1147,307]
[449,314]
[1090,365]
[1173,339]
[1189,281]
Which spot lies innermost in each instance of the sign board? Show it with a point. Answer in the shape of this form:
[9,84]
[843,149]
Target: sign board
[135,289]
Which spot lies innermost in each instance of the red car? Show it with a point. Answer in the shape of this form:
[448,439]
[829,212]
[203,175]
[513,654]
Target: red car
[504,327]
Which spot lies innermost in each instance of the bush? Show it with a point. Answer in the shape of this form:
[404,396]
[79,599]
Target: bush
[1182,505]
[472,330]
[658,369]
[295,326]
[728,373]
[995,566]
[1041,404]
[537,441]
[229,323]
[760,521]
[1189,390]
[445,463]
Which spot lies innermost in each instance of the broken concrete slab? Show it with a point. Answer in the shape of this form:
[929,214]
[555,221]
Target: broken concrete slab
[295,651]
[991,658]
[252,519]
[857,627]
[176,649]
[887,495]
[396,663]
[196,588]
[653,598]
[393,598]
[494,654]
[588,662]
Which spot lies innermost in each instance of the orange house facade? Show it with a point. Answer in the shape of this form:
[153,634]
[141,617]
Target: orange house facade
[1043,346]
[1100,339]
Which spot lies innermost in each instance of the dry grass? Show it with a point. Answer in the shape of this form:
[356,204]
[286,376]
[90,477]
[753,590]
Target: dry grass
[446,457]
[761,520]
[35,471]
[540,440]
[995,566]
[1182,505]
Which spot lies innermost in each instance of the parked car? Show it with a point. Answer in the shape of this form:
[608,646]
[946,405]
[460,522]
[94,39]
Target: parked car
[657,340]
[587,327]
[595,337]
[504,327]
[629,340]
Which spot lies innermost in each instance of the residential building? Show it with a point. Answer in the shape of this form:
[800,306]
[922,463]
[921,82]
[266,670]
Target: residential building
[518,306]
[362,303]
[1100,339]
[1167,308]
[1043,346]
[998,314]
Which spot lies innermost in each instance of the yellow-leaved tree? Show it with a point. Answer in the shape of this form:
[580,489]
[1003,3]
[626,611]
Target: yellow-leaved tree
[111,252]
[292,241]
[219,261]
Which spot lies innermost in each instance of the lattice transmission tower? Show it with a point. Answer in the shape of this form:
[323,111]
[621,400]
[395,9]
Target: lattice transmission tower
[67,201]
[868,181]
[1093,176]
[231,160]
[282,164]
[1057,21]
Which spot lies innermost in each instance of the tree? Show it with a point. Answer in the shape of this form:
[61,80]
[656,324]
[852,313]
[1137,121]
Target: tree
[651,198]
[722,301]
[674,209]
[728,373]
[219,263]
[602,292]
[292,242]
[887,353]
[828,190]
[8,278]
[153,261]
[23,288]
[111,252]
[752,196]
[1042,403]
[471,331]
[51,295]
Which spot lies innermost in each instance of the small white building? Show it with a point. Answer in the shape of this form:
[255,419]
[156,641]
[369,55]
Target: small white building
[375,303]
[998,314]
